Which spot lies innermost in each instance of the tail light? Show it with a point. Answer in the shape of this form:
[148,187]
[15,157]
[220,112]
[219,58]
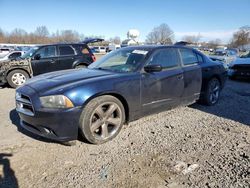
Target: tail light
[93,57]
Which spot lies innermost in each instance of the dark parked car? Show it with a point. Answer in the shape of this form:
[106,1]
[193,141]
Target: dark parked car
[240,67]
[123,86]
[47,58]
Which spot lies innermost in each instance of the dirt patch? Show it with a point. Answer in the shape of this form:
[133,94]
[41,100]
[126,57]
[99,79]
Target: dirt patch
[194,146]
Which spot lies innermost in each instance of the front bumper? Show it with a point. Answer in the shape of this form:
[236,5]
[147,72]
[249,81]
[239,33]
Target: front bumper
[55,124]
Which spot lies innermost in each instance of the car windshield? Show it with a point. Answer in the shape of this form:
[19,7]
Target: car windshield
[29,53]
[123,60]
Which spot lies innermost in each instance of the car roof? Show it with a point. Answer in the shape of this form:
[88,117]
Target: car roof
[155,47]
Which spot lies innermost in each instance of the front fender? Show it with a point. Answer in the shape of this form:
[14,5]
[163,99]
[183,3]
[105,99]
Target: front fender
[128,89]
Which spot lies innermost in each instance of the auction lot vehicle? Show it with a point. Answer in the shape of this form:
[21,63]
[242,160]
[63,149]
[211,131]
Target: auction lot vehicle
[4,51]
[12,55]
[227,56]
[46,58]
[123,86]
[240,67]
[99,49]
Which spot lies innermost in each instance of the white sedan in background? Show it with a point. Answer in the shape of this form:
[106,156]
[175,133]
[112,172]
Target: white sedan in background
[12,55]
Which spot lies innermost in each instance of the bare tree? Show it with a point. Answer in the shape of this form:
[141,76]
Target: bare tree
[69,36]
[1,35]
[241,37]
[42,31]
[194,39]
[115,40]
[162,34]
[42,34]
[214,43]
[17,36]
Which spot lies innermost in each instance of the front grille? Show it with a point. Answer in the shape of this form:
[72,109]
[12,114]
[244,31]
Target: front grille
[24,104]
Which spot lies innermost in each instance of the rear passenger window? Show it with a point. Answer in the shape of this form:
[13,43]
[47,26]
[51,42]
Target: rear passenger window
[66,50]
[167,58]
[81,49]
[188,57]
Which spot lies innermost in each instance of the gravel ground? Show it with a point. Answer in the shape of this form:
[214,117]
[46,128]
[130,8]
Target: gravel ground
[194,146]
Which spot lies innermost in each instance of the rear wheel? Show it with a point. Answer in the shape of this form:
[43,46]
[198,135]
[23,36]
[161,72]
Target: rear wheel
[212,92]
[102,119]
[17,78]
[81,66]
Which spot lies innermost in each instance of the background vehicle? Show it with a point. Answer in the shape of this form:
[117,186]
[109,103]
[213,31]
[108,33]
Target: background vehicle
[240,67]
[99,49]
[113,47]
[122,86]
[227,56]
[4,51]
[12,56]
[47,58]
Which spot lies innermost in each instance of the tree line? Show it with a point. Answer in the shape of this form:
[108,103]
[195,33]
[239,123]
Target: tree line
[161,34]
[41,35]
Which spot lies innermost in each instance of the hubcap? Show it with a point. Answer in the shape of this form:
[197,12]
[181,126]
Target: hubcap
[18,79]
[105,120]
[214,91]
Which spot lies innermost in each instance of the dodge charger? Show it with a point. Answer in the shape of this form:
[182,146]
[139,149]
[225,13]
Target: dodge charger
[123,86]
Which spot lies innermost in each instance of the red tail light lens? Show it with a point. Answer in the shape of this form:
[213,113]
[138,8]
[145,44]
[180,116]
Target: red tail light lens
[93,58]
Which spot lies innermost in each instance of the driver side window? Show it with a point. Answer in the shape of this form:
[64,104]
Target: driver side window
[46,52]
[167,58]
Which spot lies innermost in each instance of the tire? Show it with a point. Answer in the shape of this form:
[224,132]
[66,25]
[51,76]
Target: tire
[102,119]
[81,66]
[17,78]
[212,92]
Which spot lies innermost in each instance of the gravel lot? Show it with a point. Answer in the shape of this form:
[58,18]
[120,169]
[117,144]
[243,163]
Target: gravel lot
[194,146]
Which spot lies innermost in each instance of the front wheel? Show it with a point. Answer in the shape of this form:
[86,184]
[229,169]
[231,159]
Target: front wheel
[212,92]
[17,78]
[102,119]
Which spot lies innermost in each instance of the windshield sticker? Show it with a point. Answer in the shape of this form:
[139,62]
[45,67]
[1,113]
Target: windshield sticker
[143,52]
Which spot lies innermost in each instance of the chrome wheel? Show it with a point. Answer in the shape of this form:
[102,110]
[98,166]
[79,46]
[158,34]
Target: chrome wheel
[105,120]
[214,91]
[18,79]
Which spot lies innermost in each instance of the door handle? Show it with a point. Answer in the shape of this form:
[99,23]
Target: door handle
[180,77]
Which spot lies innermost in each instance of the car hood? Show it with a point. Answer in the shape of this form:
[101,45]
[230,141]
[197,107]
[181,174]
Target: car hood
[61,80]
[241,61]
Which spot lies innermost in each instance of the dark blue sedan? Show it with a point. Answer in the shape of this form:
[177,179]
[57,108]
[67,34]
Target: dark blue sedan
[121,87]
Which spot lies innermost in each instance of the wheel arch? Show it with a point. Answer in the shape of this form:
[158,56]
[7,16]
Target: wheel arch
[206,81]
[76,63]
[116,95]
[17,68]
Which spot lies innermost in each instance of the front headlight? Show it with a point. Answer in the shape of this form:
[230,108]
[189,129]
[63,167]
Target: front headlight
[56,101]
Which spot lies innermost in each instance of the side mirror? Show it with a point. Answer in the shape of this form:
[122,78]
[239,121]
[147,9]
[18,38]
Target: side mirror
[37,57]
[153,68]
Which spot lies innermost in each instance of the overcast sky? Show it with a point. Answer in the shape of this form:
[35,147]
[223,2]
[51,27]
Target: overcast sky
[211,18]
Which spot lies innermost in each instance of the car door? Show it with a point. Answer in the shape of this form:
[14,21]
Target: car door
[192,75]
[162,90]
[66,56]
[44,60]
